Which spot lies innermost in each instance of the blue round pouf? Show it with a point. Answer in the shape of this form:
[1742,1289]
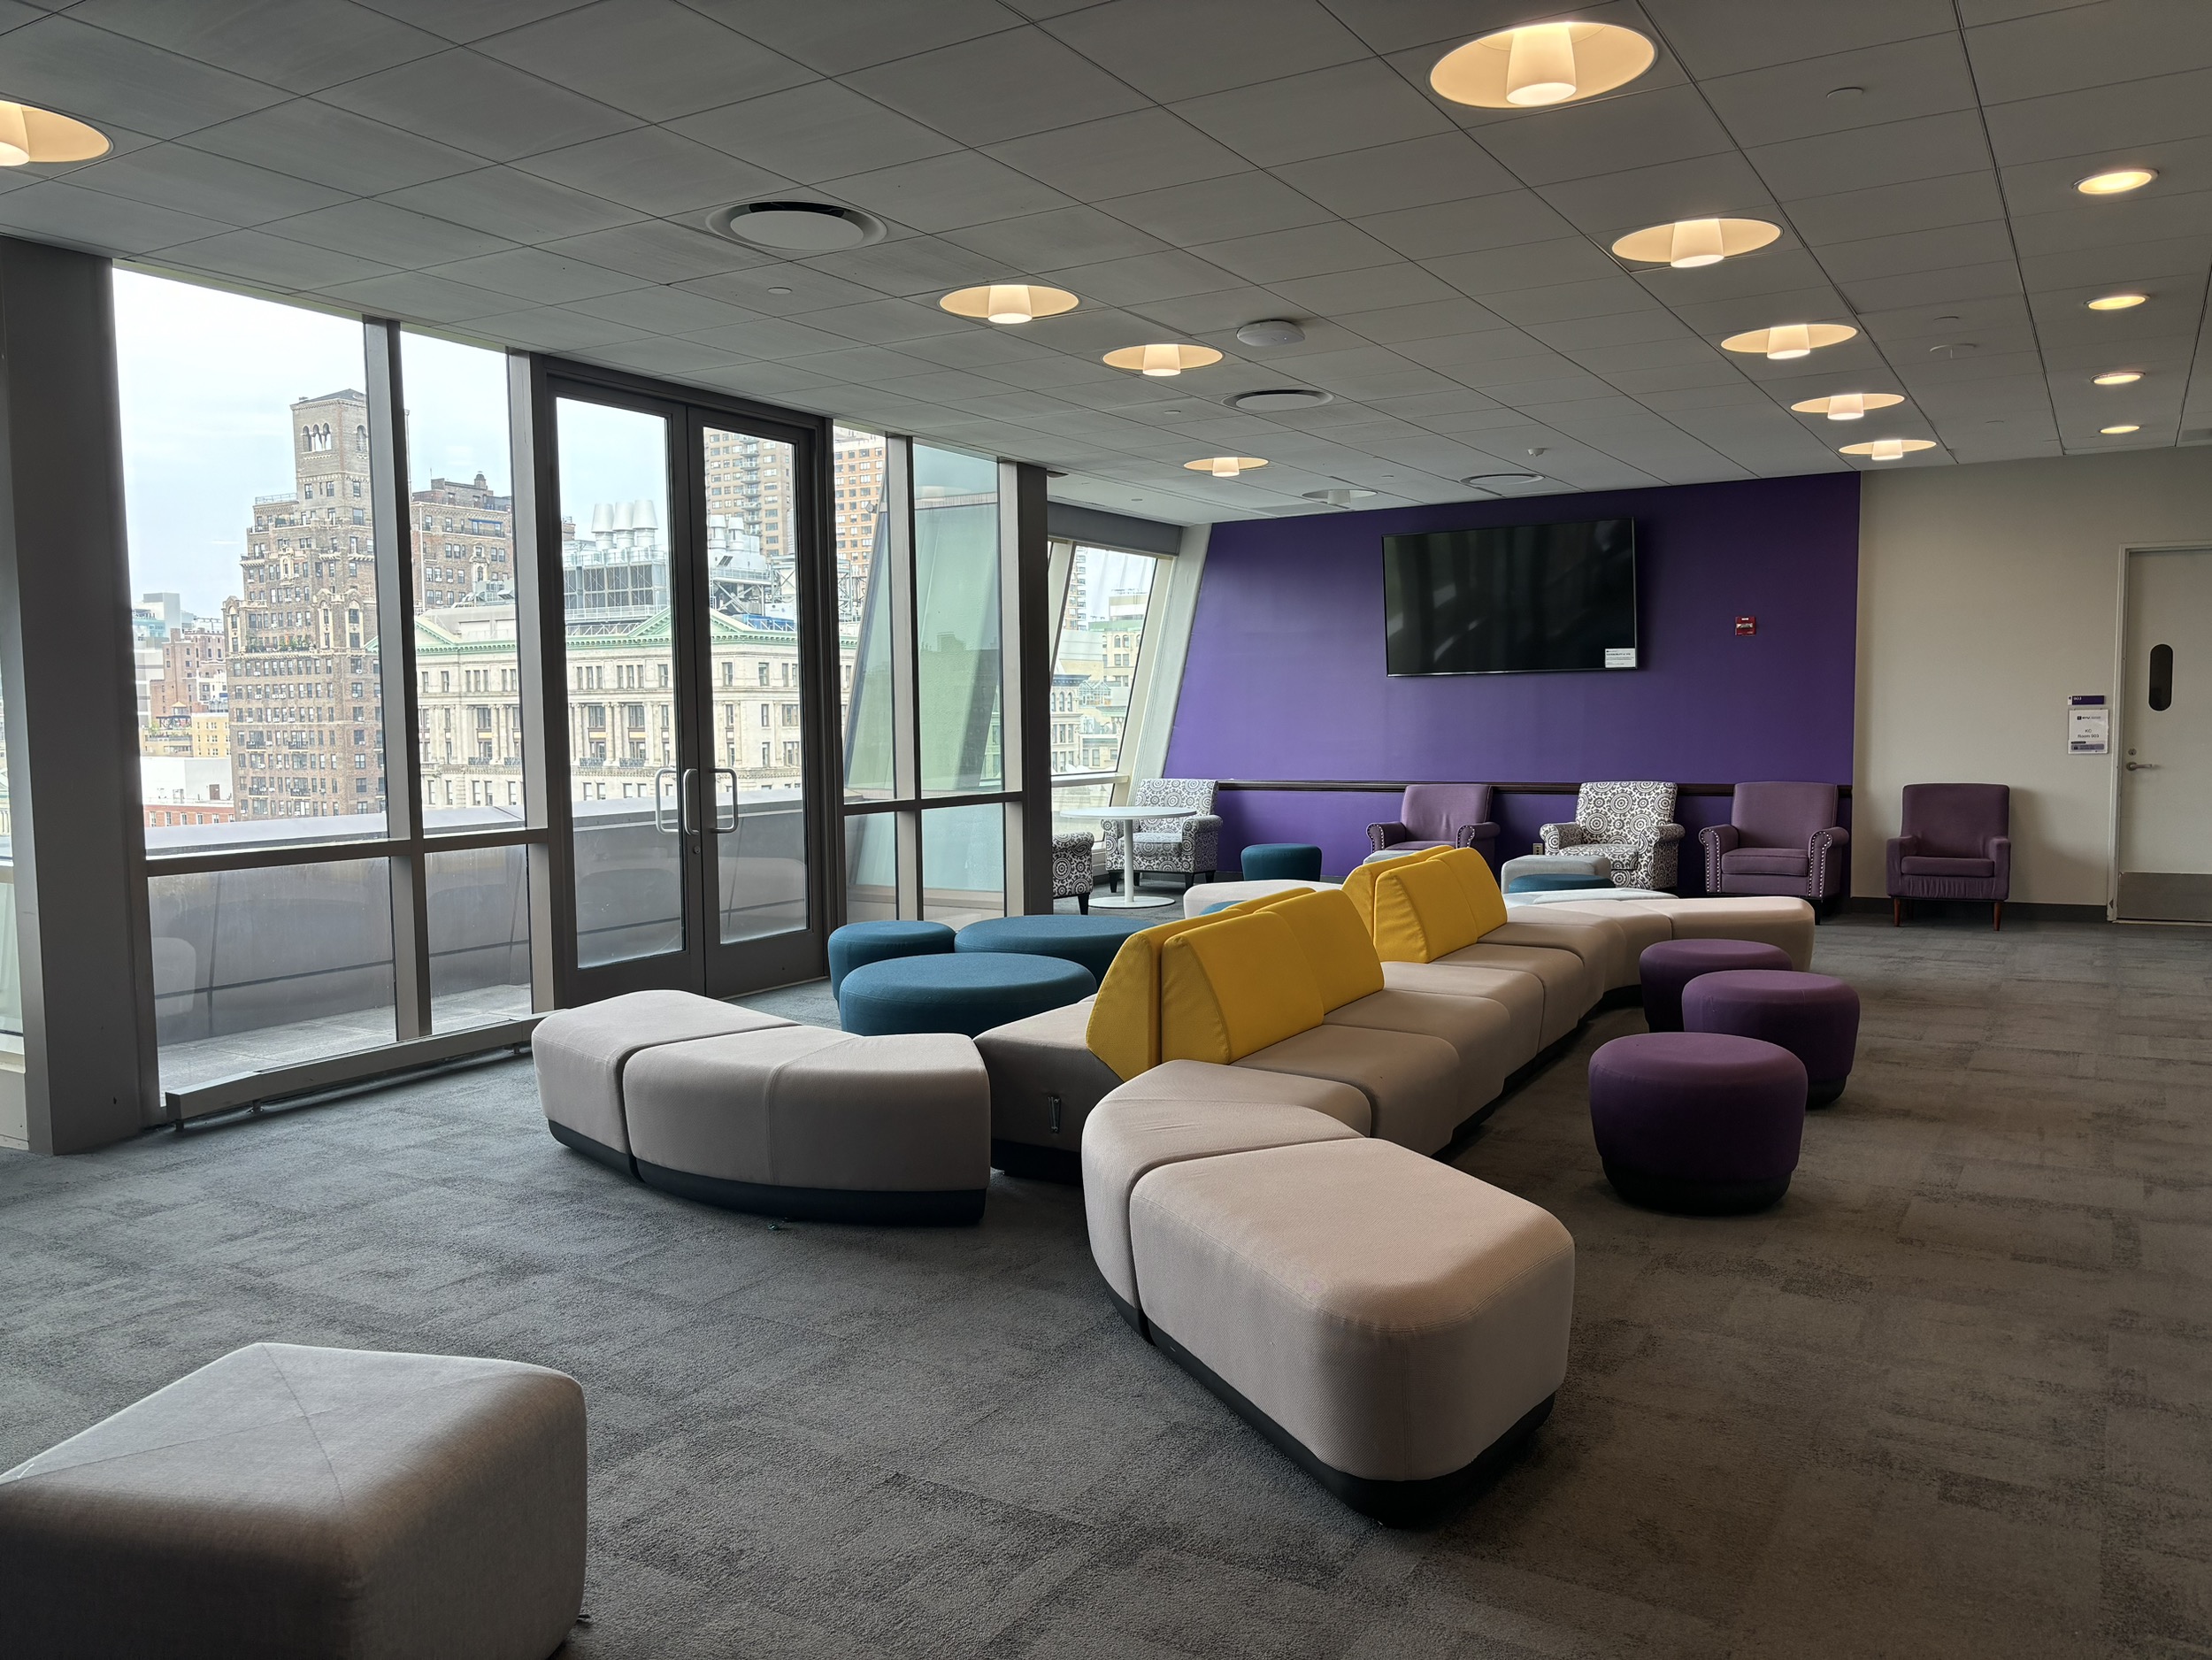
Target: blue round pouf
[858,944]
[1554,881]
[1090,943]
[968,993]
[1281,861]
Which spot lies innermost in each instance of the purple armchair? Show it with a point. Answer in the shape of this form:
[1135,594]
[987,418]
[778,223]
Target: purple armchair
[1957,845]
[1440,816]
[1780,839]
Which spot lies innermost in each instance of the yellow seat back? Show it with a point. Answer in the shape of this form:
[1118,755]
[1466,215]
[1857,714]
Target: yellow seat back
[1335,942]
[1123,1030]
[1231,987]
[1481,886]
[1423,911]
[1359,887]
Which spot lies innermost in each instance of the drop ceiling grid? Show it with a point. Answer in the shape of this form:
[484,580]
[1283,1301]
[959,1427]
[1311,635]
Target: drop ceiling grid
[536,172]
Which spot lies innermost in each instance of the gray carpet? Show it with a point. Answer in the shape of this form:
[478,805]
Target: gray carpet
[1950,1399]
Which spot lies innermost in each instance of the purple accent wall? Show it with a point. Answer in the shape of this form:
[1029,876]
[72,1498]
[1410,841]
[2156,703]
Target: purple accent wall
[1285,678]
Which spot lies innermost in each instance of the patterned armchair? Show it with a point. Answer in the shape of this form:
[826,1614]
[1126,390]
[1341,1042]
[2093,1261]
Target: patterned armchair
[1780,839]
[1191,846]
[1072,874]
[1440,816]
[1632,824]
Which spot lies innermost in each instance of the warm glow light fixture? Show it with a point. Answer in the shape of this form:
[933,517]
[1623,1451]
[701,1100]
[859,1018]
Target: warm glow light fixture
[1688,243]
[1224,466]
[2116,302]
[1847,406]
[1160,361]
[2117,182]
[1789,339]
[28,134]
[1542,64]
[1887,449]
[1008,302]
[2119,376]
[2114,432]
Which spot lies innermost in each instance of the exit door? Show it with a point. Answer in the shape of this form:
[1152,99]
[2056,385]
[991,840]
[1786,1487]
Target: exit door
[2165,775]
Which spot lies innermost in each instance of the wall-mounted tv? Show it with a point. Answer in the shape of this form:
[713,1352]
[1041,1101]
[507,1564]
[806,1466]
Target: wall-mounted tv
[1513,599]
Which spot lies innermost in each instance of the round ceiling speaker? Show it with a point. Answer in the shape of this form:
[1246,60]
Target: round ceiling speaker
[798,227]
[1493,481]
[1271,331]
[1281,400]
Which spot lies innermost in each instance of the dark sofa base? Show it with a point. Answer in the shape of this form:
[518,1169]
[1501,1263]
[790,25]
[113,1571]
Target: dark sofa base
[598,1152]
[950,1208]
[1032,1162]
[1694,1198]
[1393,1504]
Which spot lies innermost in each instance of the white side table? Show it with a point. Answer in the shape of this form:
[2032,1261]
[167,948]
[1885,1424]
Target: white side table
[1128,817]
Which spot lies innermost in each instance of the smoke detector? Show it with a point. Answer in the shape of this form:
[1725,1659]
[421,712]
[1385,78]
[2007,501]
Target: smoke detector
[1280,400]
[797,227]
[1271,331]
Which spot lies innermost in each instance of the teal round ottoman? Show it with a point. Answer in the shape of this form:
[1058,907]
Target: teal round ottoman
[1281,861]
[968,992]
[1089,943]
[859,944]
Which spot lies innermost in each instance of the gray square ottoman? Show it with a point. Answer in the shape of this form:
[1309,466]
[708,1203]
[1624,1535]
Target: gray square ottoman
[308,1503]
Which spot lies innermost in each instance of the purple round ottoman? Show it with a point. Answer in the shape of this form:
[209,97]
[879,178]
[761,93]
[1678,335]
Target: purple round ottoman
[1704,1123]
[1668,966]
[1815,1017]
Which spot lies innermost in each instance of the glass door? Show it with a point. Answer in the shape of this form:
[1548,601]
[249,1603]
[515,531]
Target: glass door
[687,592]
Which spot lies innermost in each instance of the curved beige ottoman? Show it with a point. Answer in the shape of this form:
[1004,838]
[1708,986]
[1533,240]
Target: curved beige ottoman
[292,1503]
[1044,1083]
[1412,1083]
[579,1055]
[1396,1327]
[801,1121]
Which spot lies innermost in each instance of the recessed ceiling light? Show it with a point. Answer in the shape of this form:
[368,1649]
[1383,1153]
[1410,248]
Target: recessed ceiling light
[2116,302]
[1690,243]
[2114,432]
[1161,361]
[1887,449]
[1847,406]
[1271,331]
[1789,339]
[1224,466]
[1009,302]
[799,227]
[1338,497]
[2119,377]
[1281,400]
[2117,182]
[1542,64]
[28,134]
[1491,480]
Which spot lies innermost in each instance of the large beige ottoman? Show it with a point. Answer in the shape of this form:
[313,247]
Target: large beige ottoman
[801,1121]
[1044,1083]
[1412,1083]
[1193,1110]
[1396,1327]
[581,1053]
[290,1504]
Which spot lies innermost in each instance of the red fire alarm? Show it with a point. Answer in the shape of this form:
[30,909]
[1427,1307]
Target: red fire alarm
[1747,624]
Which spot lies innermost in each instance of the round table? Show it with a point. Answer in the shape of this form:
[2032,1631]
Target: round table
[1128,818]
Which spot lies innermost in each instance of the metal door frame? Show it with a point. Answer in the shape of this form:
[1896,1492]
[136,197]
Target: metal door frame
[2123,715]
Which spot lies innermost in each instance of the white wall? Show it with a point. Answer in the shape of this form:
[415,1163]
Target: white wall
[1987,596]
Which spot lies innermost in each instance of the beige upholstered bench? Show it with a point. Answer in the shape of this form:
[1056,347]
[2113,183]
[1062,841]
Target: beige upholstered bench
[290,1504]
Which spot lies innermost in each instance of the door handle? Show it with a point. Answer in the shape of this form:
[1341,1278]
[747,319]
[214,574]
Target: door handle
[2143,766]
[660,812]
[719,827]
[686,787]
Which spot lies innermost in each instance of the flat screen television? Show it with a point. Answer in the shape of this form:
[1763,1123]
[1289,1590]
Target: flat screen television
[1512,599]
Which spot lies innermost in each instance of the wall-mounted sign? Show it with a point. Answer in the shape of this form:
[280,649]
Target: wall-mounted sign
[2088,725]
[1747,624]
[1620,656]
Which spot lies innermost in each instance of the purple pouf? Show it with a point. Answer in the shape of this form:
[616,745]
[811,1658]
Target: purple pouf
[1699,1122]
[1814,1016]
[1668,966]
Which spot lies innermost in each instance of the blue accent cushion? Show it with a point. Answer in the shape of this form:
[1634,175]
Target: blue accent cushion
[1553,881]
[1089,942]
[1281,861]
[969,991]
[858,944]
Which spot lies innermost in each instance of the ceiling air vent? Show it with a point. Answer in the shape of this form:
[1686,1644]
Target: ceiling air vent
[2197,435]
[797,227]
[1281,400]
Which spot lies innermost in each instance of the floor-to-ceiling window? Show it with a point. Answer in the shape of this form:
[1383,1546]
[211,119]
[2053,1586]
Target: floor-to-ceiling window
[1111,599]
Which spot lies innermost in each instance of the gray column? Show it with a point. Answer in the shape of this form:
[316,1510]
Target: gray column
[90,1058]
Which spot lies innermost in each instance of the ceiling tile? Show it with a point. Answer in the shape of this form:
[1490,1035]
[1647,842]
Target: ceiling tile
[388,234]
[464,99]
[664,311]
[1782,268]
[1218,44]
[420,297]
[653,58]
[2106,121]
[1722,37]
[1222,308]
[1237,204]
[2087,46]
[1912,78]
[2162,217]
[332,147]
[998,87]
[1890,210]
[213,187]
[1057,239]
[1584,139]
[533,274]
[779,288]
[517,205]
[1353,106]
[945,192]
[268,261]
[654,171]
[1927,287]
[818,131]
[63,64]
[1311,250]
[912,265]
[549,328]
[1374,289]
[1415,173]
[1633,197]
[1565,302]
[472,19]
[1927,147]
[1507,219]
[1988,242]
[1148,277]
[1509,270]
[853,34]
[770,338]
[301,45]
[657,251]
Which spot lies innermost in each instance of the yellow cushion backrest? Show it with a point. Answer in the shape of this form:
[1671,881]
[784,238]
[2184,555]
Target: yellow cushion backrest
[1123,1029]
[1359,887]
[1421,912]
[1232,987]
[1474,874]
[1335,942]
